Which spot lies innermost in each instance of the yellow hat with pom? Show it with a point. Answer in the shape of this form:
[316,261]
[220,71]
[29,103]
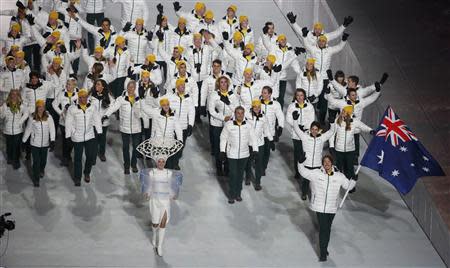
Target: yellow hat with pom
[180,48]
[248,71]
[237,36]
[20,54]
[199,5]
[271,58]
[197,35]
[311,60]
[82,92]
[120,40]
[179,82]
[318,25]
[40,103]
[348,109]
[250,46]
[209,14]
[180,62]
[243,18]
[53,15]
[256,102]
[164,101]
[281,37]
[182,20]
[57,60]
[16,27]
[56,34]
[99,49]
[140,21]
[233,7]
[145,74]
[151,58]
[323,38]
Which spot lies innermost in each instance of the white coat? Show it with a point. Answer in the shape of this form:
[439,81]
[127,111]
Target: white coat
[306,117]
[80,124]
[39,132]
[13,122]
[130,114]
[236,139]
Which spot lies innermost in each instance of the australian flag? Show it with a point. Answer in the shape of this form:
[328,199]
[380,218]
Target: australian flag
[397,154]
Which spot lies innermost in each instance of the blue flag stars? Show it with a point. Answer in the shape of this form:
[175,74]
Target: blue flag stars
[397,155]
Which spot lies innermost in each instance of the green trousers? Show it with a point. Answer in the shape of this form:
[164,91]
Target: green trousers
[265,154]
[259,165]
[236,173]
[344,162]
[89,149]
[13,143]
[325,221]
[39,156]
[298,151]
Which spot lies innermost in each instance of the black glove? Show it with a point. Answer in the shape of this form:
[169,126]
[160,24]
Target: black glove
[305,31]
[277,68]
[189,131]
[222,156]
[221,45]
[265,29]
[155,92]
[327,90]
[63,49]
[311,98]
[302,127]
[66,107]
[372,132]
[254,155]
[384,78]
[47,47]
[302,158]
[127,27]
[347,21]
[198,67]
[291,17]
[176,6]
[345,36]
[272,145]
[52,145]
[377,86]
[149,35]
[20,5]
[159,19]
[104,118]
[225,35]
[330,74]
[160,8]
[299,50]
[130,72]
[30,19]
[160,35]
[202,111]
[61,17]
[279,132]
[295,115]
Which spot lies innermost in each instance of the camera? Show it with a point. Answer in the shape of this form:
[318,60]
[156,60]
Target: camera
[6,224]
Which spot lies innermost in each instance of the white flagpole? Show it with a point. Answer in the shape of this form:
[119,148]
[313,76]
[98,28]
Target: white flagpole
[348,190]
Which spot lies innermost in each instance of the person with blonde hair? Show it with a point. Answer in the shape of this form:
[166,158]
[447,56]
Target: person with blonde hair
[14,114]
[41,131]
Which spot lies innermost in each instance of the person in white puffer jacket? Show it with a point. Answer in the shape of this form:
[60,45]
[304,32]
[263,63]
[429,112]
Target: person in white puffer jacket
[95,13]
[193,18]
[261,131]
[183,106]
[300,112]
[313,141]
[312,36]
[13,113]
[138,40]
[105,35]
[235,142]
[310,79]
[82,125]
[250,89]
[326,184]
[271,38]
[121,60]
[41,132]
[229,22]
[102,98]
[245,30]
[191,85]
[15,37]
[61,105]
[344,141]
[180,36]
[35,90]
[132,10]
[10,78]
[97,57]
[221,105]
[275,117]
[130,124]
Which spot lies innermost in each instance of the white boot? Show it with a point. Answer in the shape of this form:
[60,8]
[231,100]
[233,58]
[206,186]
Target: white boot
[154,230]
[161,233]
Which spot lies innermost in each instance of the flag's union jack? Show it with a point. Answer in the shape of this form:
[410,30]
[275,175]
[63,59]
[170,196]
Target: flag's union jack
[395,129]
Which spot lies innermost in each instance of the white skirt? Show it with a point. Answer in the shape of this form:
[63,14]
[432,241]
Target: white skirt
[157,208]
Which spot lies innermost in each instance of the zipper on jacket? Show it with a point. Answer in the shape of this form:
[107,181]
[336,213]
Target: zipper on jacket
[42,135]
[84,134]
[345,141]
[131,118]
[12,76]
[239,144]
[137,52]
[313,152]
[165,127]
[12,127]
[326,193]
[321,59]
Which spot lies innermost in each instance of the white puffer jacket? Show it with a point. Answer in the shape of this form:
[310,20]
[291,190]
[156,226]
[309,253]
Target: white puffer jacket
[155,73]
[99,34]
[100,108]
[306,117]
[209,86]
[358,105]
[138,45]
[313,146]
[80,124]
[325,188]
[191,17]
[14,79]
[240,62]
[180,39]
[19,40]
[248,92]
[200,56]
[13,122]
[261,49]
[59,105]
[123,61]
[230,28]
[312,39]
[323,56]
[260,126]
[284,56]
[94,6]
[263,73]
[274,113]
[236,139]
[183,108]
[249,35]
[147,102]
[39,132]
[344,140]
[166,127]
[219,109]
[74,29]
[191,87]
[170,61]
[130,114]
[90,60]
[132,10]
[312,87]
[33,93]
[228,62]
[58,83]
